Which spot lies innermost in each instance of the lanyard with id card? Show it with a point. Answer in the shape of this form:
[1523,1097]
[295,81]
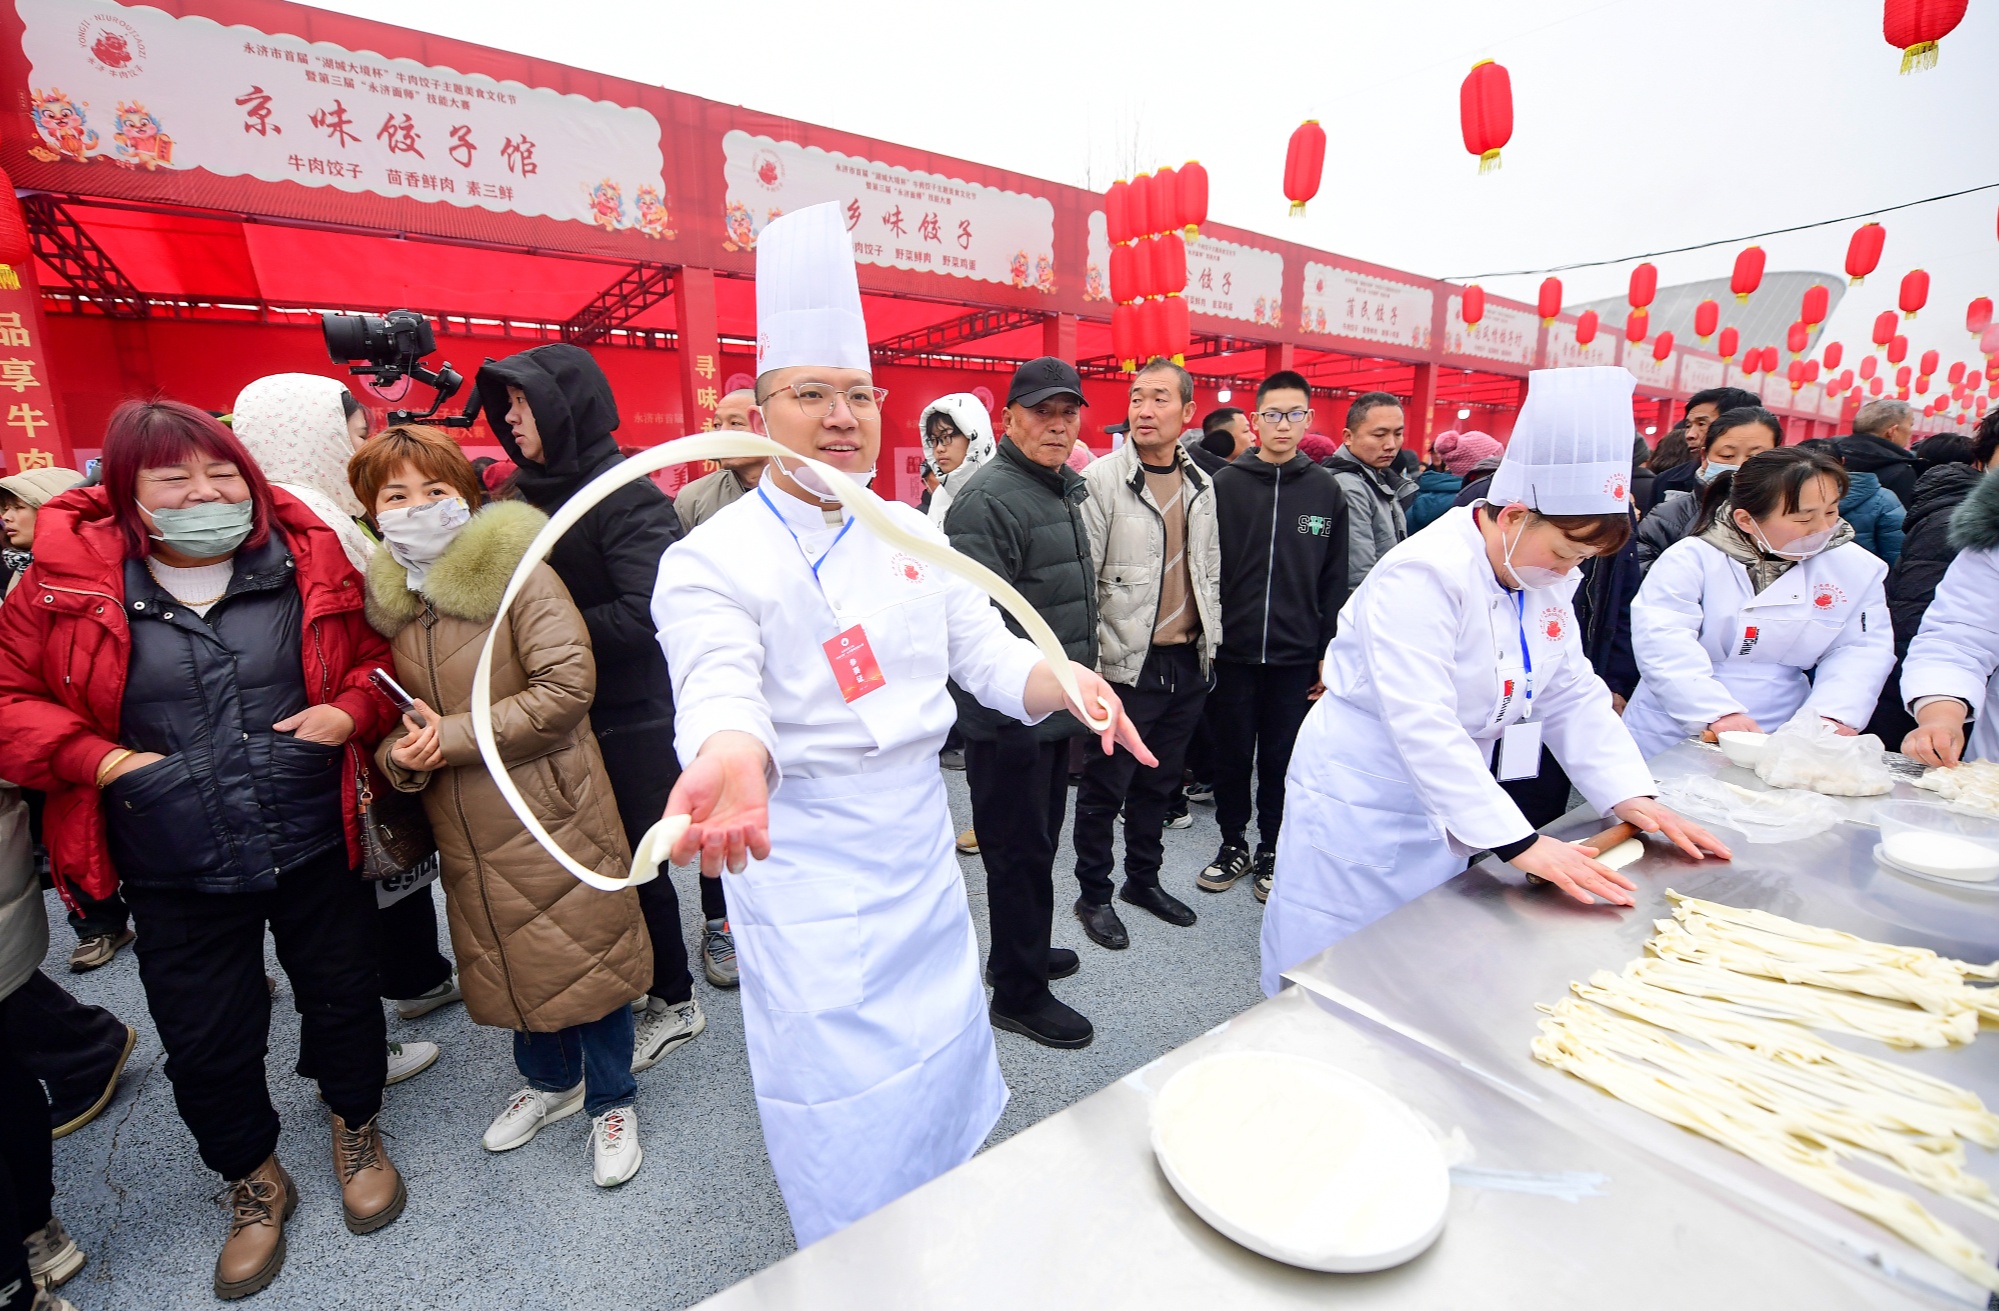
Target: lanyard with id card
[849,654]
[1520,744]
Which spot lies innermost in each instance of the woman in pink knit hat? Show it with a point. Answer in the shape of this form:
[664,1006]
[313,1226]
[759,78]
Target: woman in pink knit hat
[1453,455]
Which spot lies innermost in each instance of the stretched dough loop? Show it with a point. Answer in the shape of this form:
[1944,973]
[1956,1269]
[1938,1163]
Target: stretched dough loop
[862,503]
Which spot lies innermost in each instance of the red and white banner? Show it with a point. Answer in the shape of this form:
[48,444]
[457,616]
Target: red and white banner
[1650,373]
[30,437]
[1097,257]
[899,218]
[1698,373]
[1343,303]
[1503,333]
[1232,281]
[1562,352]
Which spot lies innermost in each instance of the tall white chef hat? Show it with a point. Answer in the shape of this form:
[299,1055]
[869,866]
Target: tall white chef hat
[1570,452]
[808,299]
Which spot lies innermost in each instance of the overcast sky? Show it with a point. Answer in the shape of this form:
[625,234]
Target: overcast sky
[1638,126]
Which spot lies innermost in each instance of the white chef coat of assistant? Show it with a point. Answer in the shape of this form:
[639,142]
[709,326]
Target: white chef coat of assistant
[1707,646]
[863,1010]
[1391,786]
[1956,651]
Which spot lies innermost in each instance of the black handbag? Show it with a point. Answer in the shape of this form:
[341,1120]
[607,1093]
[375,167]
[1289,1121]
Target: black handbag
[395,832]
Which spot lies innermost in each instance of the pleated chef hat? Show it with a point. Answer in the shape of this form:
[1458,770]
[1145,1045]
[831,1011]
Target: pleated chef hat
[808,298]
[1570,452]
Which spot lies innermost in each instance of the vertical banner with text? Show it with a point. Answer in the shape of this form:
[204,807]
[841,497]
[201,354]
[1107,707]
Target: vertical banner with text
[32,437]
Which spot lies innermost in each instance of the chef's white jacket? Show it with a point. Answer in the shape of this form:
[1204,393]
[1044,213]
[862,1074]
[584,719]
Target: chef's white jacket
[1956,651]
[1707,646]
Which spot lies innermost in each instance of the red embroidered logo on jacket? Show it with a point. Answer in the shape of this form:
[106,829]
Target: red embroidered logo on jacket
[1825,596]
[1554,622]
[907,567]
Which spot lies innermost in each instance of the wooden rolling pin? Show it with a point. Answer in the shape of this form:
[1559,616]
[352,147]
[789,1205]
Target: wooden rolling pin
[1601,843]
[1708,736]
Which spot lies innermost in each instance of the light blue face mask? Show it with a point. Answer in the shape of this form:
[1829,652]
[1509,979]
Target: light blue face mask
[1707,473]
[202,532]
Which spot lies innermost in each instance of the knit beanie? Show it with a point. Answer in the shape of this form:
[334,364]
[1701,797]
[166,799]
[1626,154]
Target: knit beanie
[1460,451]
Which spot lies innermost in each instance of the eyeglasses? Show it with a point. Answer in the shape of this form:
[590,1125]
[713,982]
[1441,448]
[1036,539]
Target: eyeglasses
[818,399]
[1276,417]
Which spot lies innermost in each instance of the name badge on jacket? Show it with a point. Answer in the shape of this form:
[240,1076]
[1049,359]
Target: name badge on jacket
[854,666]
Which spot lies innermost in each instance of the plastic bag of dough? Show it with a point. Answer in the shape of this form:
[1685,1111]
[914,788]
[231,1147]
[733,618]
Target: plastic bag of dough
[1757,816]
[1810,754]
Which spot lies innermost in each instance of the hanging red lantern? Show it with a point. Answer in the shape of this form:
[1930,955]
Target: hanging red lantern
[1166,200]
[1915,292]
[1922,383]
[1902,376]
[1833,352]
[1151,329]
[1138,206]
[1846,379]
[1811,370]
[1124,286]
[1485,112]
[1884,327]
[1706,315]
[1730,339]
[1816,302]
[1748,275]
[1796,374]
[1122,329]
[1471,305]
[1956,374]
[1662,348]
[1770,360]
[1644,286]
[1874,386]
[1750,361]
[1863,251]
[1635,324]
[1915,26]
[1898,350]
[1586,327]
[1988,341]
[1304,161]
[1193,197]
[1144,281]
[1978,315]
[1797,338]
[1117,212]
[1550,301]
[1170,262]
[1868,365]
[1928,364]
[1178,338]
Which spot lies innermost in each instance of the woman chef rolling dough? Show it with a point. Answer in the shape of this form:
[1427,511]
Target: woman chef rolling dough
[1392,785]
[1769,584]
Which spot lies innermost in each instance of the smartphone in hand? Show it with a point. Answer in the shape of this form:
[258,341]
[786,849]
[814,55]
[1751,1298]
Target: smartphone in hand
[394,691]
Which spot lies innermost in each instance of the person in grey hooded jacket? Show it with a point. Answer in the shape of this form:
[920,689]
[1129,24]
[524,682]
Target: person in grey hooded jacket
[958,438]
[1378,497]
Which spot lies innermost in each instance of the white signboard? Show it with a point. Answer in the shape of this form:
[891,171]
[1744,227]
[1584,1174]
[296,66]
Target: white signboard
[1698,373]
[1235,282]
[1097,256]
[899,218]
[136,88]
[1563,353]
[1658,375]
[1777,394]
[1828,403]
[1502,333]
[1343,303]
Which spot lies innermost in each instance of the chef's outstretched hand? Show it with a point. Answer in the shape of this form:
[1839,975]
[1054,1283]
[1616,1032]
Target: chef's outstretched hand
[1938,738]
[1648,816]
[726,798]
[1044,696]
[1571,869]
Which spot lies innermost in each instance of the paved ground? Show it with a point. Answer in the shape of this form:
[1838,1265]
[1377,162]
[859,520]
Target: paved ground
[528,1228]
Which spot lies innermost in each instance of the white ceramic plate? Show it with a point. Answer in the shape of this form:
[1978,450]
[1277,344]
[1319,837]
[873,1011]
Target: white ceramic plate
[1300,1161]
[1744,749]
[1961,884]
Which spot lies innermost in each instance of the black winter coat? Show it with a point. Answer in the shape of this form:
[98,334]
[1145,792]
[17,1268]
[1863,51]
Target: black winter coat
[1927,550]
[609,561]
[234,803]
[1895,467]
[1283,531]
[1025,523]
[1679,478]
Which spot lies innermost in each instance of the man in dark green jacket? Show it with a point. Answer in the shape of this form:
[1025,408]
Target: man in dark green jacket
[1019,515]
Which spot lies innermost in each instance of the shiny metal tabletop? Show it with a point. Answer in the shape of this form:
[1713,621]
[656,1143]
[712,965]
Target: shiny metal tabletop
[1462,968]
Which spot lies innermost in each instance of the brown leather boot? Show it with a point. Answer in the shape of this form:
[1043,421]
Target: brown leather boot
[259,1204]
[371,1189]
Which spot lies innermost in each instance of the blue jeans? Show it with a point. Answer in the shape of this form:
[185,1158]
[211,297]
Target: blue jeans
[599,1054]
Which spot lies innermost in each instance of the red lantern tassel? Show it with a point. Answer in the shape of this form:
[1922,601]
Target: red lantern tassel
[1918,57]
[1488,162]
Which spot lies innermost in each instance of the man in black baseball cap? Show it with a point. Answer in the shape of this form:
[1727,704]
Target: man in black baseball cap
[1020,515]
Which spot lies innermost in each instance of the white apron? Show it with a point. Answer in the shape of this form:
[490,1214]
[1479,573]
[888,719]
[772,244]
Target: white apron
[1356,841]
[1770,695]
[863,1011]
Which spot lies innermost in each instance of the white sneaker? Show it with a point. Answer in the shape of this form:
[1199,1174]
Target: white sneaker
[615,1154]
[409,1059]
[662,1028]
[442,995]
[528,1111]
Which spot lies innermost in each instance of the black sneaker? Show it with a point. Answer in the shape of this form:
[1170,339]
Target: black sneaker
[1202,792]
[1229,864]
[1051,1024]
[1266,873]
[1177,816]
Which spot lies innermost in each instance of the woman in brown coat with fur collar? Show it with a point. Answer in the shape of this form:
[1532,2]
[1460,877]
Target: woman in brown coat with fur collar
[538,952]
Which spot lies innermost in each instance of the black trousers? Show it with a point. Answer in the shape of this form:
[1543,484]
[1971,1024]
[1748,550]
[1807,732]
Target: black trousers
[201,959]
[1544,798]
[406,954]
[94,916]
[1020,795]
[1255,713]
[642,777]
[27,1168]
[70,1047]
[1164,707]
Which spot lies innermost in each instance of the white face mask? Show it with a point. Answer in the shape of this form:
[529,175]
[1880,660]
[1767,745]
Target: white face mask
[1802,548]
[1530,576]
[417,536]
[1707,473]
[808,477]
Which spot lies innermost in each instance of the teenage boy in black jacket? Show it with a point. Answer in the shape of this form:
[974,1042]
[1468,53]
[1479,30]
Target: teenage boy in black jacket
[1283,526]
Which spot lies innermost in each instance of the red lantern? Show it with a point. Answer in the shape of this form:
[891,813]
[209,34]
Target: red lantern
[1833,352]
[1863,251]
[1846,379]
[1644,286]
[1811,370]
[1123,332]
[1471,305]
[1922,384]
[1175,324]
[1730,339]
[1138,206]
[1769,359]
[1797,338]
[1662,348]
[1485,112]
[1117,212]
[1635,324]
[1193,197]
[1928,364]
[1144,275]
[1902,376]
[1166,200]
[1884,327]
[1796,374]
[1750,361]
[1550,300]
[1898,350]
[1915,26]
[1706,315]
[1151,329]
[1169,261]
[1915,292]
[1988,341]
[1956,374]
[1978,315]
[1748,275]
[1874,386]
[1868,365]
[1586,327]
[1817,301]
[1124,285]
[1304,161]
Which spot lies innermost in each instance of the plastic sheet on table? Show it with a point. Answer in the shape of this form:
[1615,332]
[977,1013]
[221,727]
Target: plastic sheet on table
[1773,816]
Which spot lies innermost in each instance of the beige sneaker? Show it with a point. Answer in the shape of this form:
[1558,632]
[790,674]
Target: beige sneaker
[259,1205]
[53,1256]
[968,843]
[96,950]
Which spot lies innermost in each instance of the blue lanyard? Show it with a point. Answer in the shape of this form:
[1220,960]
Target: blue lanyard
[801,545]
[1519,613]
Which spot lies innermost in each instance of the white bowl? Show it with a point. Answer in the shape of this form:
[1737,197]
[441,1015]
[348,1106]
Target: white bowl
[1305,1163]
[1933,839]
[1744,749]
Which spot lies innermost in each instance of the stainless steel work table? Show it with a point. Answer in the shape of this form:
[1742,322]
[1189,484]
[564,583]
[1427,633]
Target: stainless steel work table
[1074,1212]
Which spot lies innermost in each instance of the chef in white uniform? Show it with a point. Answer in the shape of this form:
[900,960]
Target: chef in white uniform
[809,662]
[1462,639]
[1769,585]
[1952,667]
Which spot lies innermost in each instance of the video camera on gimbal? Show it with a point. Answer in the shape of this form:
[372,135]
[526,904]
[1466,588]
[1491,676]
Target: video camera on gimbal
[394,346]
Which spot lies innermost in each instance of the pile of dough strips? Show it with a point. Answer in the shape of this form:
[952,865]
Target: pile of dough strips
[1708,1031]
[1972,786]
